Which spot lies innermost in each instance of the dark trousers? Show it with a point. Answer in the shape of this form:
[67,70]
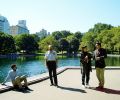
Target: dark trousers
[85,74]
[52,72]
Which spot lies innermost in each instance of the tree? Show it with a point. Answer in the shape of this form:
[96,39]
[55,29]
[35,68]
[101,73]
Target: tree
[89,40]
[78,35]
[105,38]
[57,35]
[26,43]
[73,45]
[116,38]
[50,40]
[7,44]
[100,27]
[65,33]
[63,44]
[36,37]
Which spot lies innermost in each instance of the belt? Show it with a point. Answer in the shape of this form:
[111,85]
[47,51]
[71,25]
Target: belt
[50,60]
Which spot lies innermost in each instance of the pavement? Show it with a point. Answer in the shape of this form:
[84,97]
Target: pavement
[70,88]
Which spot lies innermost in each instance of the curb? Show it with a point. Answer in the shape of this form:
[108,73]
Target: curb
[8,88]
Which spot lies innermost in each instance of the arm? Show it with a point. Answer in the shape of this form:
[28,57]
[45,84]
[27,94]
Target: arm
[6,79]
[56,57]
[104,54]
[46,59]
[82,58]
[46,62]
[90,57]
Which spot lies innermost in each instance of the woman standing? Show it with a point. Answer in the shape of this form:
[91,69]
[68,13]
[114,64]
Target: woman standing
[85,59]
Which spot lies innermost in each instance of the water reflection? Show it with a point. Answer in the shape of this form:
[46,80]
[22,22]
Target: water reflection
[35,65]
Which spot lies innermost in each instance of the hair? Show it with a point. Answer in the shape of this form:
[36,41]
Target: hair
[82,48]
[98,43]
[13,65]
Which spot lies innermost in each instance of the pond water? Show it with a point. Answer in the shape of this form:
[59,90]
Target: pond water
[31,66]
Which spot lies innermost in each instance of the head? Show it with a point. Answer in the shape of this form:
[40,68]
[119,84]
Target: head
[84,49]
[98,45]
[50,47]
[14,67]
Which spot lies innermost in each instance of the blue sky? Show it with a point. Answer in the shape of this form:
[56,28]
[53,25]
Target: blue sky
[52,15]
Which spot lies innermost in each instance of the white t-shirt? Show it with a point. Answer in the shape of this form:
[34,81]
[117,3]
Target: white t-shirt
[12,75]
[51,55]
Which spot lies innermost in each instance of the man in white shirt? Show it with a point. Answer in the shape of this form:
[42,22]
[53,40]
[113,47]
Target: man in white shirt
[51,63]
[16,78]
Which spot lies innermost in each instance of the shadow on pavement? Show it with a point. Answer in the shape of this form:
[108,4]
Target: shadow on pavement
[107,90]
[23,90]
[72,89]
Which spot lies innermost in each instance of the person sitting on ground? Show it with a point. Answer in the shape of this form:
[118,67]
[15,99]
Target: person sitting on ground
[15,78]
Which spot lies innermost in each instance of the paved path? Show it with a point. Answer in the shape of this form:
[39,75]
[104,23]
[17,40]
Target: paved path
[70,88]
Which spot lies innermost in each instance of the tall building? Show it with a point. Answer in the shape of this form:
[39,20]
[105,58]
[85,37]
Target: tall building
[4,25]
[22,23]
[43,33]
[20,28]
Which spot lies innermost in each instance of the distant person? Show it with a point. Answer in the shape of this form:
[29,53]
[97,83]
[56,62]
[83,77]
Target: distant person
[85,59]
[51,63]
[100,55]
[16,78]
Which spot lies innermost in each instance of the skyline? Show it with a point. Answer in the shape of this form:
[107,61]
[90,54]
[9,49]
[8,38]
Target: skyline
[57,15]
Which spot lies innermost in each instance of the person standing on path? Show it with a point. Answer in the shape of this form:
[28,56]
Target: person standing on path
[85,59]
[51,63]
[100,55]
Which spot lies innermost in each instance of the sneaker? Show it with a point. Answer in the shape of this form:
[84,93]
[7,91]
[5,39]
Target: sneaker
[56,85]
[100,87]
[51,84]
[83,86]
[27,88]
[87,86]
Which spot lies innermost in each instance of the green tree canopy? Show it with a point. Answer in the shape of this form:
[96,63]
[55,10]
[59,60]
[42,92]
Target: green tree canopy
[50,40]
[26,43]
[57,35]
[7,44]
[99,27]
[78,35]
[63,44]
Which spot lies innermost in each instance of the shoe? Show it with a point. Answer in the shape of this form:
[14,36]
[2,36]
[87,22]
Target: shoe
[56,85]
[100,87]
[87,86]
[83,86]
[51,84]
[27,88]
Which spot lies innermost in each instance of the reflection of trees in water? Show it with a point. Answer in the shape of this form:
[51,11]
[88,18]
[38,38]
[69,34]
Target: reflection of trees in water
[113,61]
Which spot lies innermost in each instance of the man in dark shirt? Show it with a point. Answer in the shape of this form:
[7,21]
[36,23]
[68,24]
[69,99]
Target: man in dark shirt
[100,55]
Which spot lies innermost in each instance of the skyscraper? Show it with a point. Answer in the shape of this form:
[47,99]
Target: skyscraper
[4,25]
[43,33]
[22,23]
[19,28]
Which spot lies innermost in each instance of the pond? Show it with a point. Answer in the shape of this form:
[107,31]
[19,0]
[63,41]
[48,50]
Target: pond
[31,66]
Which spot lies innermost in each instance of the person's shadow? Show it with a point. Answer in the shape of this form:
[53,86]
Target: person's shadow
[72,89]
[22,90]
[107,90]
